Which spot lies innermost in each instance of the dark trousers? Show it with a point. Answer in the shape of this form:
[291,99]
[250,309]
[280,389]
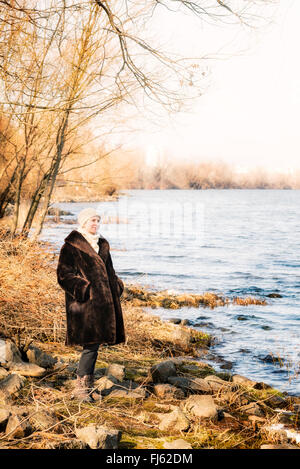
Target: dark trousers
[87,360]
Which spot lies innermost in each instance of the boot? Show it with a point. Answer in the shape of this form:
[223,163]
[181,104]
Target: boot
[82,390]
[93,391]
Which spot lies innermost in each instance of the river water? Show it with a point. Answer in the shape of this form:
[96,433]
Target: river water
[230,242]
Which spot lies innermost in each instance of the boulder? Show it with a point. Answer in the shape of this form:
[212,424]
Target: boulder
[12,353]
[116,370]
[199,385]
[243,381]
[182,336]
[106,384]
[10,385]
[192,385]
[177,444]
[276,400]
[179,381]
[231,397]
[4,415]
[176,421]
[40,358]
[17,427]
[175,320]
[14,362]
[27,369]
[201,406]
[162,371]
[139,393]
[167,391]
[98,437]
[216,384]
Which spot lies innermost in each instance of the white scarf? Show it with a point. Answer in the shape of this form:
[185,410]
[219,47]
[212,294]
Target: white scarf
[91,238]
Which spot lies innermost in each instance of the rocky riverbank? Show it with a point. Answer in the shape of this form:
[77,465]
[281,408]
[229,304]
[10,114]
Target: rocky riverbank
[165,397]
[155,391]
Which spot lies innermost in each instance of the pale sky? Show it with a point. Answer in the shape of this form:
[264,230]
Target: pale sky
[249,115]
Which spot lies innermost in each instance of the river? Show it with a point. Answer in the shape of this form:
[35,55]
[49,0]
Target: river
[230,242]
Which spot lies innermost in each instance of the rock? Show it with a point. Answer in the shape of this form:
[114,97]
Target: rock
[216,384]
[176,421]
[167,391]
[286,446]
[116,370]
[40,358]
[175,320]
[135,394]
[14,362]
[180,382]
[227,366]
[252,409]
[17,427]
[162,371]
[276,400]
[191,368]
[231,397]
[105,383]
[177,444]
[182,336]
[271,359]
[98,437]
[201,406]
[43,420]
[242,380]
[3,372]
[199,385]
[261,385]
[274,295]
[192,385]
[10,385]
[12,353]
[27,369]
[4,415]
[99,372]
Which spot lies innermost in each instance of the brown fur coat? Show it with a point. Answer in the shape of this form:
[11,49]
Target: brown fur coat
[92,291]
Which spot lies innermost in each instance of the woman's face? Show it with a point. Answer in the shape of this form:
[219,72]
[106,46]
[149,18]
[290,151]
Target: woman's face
[92,225]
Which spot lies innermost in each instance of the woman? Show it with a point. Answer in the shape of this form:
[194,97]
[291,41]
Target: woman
[92,289]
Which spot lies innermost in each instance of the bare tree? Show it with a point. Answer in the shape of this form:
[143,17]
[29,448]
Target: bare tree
[66,64]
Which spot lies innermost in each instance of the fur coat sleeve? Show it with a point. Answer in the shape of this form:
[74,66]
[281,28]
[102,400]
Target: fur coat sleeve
[69,280]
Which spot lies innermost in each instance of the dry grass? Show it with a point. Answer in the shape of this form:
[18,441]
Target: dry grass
[248,301]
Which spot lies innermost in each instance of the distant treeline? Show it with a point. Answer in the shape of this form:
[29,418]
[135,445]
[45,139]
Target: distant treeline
[123,171]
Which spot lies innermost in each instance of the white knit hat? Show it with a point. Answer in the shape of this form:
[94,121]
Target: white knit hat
[85,214]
